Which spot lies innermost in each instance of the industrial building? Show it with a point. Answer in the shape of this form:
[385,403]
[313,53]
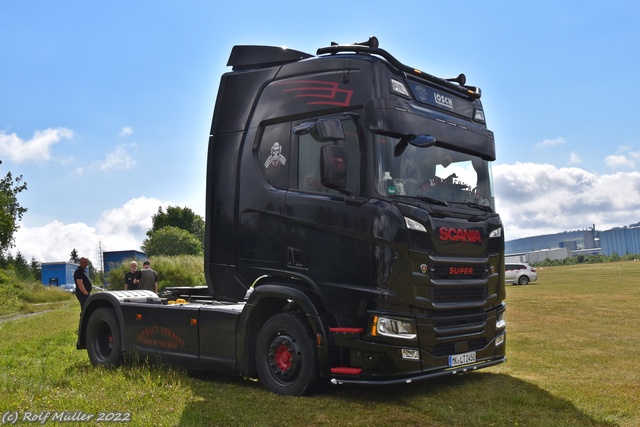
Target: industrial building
[111,259]
[621,241]
[58,274]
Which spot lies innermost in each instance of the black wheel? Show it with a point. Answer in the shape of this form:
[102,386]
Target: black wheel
[523,280]
[286,356]
[103,338]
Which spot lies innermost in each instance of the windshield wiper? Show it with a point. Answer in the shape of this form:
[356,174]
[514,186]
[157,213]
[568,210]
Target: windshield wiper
[477,206]
[431,200]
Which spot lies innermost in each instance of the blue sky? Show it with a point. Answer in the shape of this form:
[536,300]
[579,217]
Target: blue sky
[105,108]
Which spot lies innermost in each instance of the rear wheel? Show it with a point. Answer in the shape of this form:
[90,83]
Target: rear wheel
[103,338]
[523,280]
[286,356]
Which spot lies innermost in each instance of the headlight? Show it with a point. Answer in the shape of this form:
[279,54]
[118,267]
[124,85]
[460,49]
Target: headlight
[414,225]
[396,328]
[500,322]
[496,233]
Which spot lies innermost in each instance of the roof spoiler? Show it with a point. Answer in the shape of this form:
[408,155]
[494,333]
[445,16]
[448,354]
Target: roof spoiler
[246,57]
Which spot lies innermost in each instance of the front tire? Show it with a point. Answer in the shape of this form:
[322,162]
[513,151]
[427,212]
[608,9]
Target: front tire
[286,356]
[103,338]
[523,280]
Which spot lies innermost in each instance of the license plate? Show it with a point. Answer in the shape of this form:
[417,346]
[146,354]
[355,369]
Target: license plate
[462,359]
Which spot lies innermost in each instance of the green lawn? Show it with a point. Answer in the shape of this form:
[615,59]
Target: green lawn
[573,351]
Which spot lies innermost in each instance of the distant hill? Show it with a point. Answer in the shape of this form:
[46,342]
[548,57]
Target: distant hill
[545,241]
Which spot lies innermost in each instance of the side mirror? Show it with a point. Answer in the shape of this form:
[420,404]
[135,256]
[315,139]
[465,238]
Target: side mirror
[323,130]
[333,167]
[421,141]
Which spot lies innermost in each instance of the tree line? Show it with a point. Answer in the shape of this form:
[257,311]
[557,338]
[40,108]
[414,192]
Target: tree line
[176,231]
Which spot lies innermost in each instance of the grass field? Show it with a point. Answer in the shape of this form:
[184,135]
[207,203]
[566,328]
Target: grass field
[573,351]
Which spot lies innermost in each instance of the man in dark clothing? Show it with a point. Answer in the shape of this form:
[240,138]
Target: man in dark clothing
[83,284]
[132,278]
[148,278]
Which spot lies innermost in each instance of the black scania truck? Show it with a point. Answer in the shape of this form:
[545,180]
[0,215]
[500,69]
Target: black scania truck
[351,232]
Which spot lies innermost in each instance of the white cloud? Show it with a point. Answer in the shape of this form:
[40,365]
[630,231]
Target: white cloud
[117,229]
[126,131]
[35,149]
[126,226]
[121,158]
[617,161]
[54,241]
[551,142]
[535,199]
[574,158]
[623,159]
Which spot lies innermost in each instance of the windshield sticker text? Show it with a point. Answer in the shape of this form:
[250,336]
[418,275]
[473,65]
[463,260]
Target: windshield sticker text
[445,101]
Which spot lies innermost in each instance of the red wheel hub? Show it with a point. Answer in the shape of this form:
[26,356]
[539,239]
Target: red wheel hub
[282,358]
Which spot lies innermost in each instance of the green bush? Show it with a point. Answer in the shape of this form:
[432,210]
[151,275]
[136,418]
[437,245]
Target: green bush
[16,294]
[179,270]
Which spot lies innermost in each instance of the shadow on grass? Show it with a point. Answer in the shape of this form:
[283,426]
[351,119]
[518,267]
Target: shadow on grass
[477,399]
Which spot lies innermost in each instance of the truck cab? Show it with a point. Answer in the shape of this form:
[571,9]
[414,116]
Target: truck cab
[351,232]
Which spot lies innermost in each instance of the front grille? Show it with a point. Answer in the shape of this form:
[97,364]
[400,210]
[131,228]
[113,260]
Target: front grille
[460,333]
[446,270]
[458,322]
[448,348]
[458,293]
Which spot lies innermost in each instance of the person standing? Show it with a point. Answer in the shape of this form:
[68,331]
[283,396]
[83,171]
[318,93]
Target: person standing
[132,278]
[148,278]
[83,284]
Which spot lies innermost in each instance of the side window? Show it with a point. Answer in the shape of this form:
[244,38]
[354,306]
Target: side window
[274,154]
[309,161]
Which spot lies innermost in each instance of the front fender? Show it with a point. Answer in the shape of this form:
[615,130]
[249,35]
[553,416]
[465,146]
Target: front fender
[269,299]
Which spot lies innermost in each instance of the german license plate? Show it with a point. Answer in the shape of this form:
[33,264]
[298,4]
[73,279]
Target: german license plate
[462,359]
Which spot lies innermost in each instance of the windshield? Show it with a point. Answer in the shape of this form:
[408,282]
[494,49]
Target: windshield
[433,173]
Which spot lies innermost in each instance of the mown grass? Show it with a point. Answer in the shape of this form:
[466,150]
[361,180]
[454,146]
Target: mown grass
[573,356]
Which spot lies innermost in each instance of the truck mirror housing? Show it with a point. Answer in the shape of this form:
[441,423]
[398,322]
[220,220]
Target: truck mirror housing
[333,167]
[323,130]
[421,141]
[328,130]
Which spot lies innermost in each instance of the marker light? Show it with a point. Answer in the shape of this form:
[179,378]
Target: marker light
[399,88]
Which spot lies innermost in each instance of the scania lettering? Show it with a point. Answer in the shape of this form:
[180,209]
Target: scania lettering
[351,234]
[455,235]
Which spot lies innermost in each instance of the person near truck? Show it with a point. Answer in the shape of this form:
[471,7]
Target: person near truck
[148,278]
[132,278]
[83,284]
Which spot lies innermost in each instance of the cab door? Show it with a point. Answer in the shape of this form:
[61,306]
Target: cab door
[326,233]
